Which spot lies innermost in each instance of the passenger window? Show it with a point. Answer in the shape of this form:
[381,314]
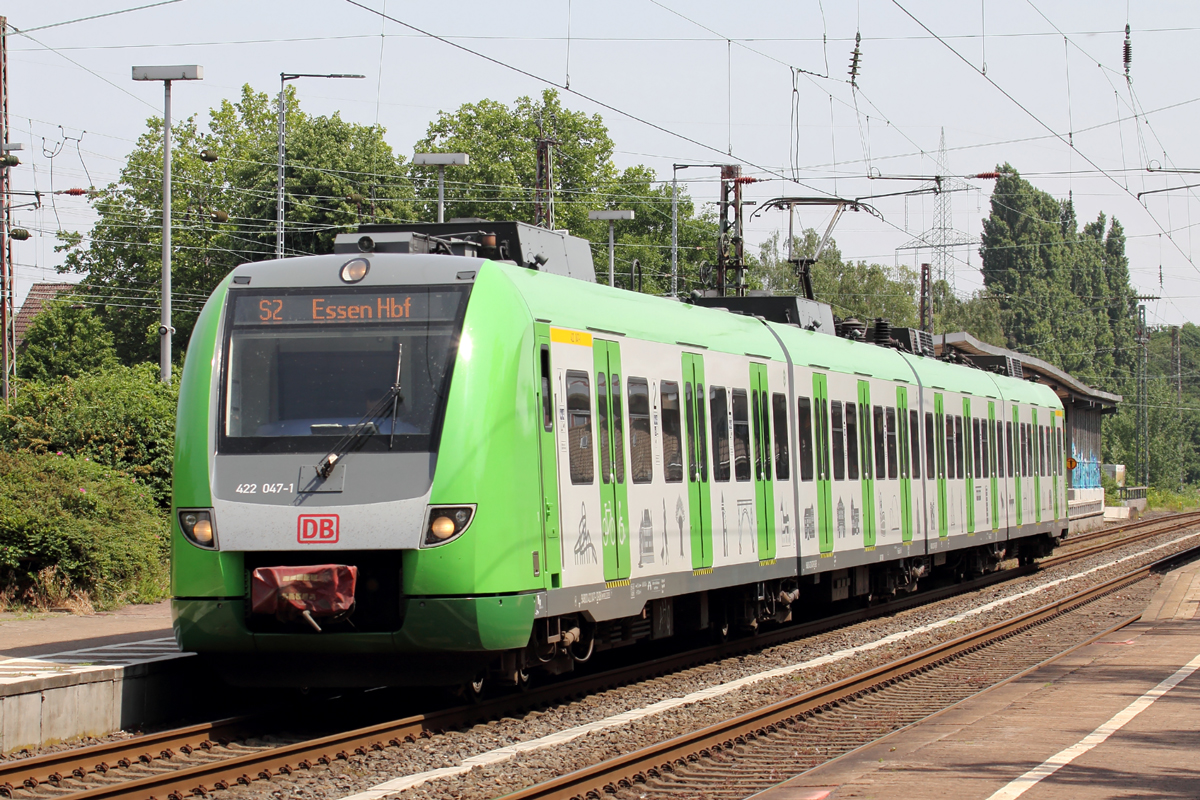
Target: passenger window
[958,446]
[764,434]
[839,448]
[950,448]
[618,429]
[930,441]
[1008,447]
[892,459]
[804,435]
[783,460]
[880,446]
[579,428]
[641,451]
[864,439]
[1058,449]
[998,446]
[689,413]
[1024,450]
[852,440]
[985,449]
[672,433]
[823,440]
[602,428]
[914,433]
[756,411]
[718,410]
[902,441]
[547,394]
[978,449]
[741,435]
[701,434]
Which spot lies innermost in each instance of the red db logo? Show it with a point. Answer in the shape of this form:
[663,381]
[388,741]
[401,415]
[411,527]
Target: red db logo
[317,528]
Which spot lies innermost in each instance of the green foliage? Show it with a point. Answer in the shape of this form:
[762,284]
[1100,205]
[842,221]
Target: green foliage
[122,418]
[328,160]
[1168,500]
[65,341]
[1063,292]
[498,184]
[96,528]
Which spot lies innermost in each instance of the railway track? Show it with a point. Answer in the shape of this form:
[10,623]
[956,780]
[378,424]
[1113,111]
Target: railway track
[741,756]
[213,756]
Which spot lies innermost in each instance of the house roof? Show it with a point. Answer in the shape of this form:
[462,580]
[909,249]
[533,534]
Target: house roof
[35,301]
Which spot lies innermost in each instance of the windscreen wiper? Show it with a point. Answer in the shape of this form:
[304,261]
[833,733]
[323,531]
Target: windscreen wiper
[366,425]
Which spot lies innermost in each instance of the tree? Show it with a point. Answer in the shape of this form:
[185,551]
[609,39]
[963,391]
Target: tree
[498,184]
[224,211]
[65,340]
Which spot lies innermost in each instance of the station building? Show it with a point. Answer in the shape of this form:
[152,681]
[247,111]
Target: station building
[1083,408]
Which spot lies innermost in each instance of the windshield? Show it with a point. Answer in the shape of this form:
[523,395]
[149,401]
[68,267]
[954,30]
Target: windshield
[304,366]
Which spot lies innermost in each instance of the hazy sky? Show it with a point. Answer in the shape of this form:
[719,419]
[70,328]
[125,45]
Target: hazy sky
[684,83]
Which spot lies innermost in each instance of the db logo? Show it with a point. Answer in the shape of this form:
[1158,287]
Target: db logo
[317,528]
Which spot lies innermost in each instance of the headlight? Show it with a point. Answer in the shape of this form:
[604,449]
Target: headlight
[356,269]
[446,523]
[197,527]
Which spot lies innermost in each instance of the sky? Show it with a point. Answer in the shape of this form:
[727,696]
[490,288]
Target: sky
[1039,85]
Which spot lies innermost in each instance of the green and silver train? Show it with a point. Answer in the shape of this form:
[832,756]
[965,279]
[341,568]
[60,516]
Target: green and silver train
[444,454]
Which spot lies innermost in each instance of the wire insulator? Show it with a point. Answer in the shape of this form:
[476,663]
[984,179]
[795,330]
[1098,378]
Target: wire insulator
[855,59]
[75,192]
[19,234]
[987,176]
[1128,51]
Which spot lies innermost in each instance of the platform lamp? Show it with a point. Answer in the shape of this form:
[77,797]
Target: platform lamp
[611,217]
[441,161]
[189,72]
[284,77]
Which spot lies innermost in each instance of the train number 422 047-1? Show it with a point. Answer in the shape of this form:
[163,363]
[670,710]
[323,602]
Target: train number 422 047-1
[267,488]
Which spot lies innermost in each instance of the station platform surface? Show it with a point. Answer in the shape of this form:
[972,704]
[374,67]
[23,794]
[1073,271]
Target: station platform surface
[65,676]
[1117,718]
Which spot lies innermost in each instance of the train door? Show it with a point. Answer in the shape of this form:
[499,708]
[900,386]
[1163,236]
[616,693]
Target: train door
[905,464]
[970,460]
[610,441]
[1037,448]
[548,463]
[764,493]
[939,413]
[821,446]
[699,499]
[866,446]
[993,452]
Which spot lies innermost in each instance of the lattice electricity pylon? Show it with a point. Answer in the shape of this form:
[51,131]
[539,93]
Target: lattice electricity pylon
[942,238]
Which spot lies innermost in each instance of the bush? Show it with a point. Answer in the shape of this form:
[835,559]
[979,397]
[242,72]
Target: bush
[77,533]
[122,418]
[1167,500]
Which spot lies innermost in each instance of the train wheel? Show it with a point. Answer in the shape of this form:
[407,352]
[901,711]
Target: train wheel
[473,690]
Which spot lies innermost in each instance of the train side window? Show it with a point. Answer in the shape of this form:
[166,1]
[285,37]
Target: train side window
[1008,447]
[547,394]
[880,446]
[1058,448]
[641,451]
[804,437]
[783,455]
[892,459]
[701,434]
[741,435]
[958,446]
[839,446]
[579,428]
[689,414]
[764,433]
[930,456]
[718,411]
[902,442]
[1044,450]
[949,448]
[823,439]
[602,428]
[756,412]
[914,448]
[998,447]
[977,450]
[618,428]
[852,440]
[672,433]
[985,436]
[1024,450]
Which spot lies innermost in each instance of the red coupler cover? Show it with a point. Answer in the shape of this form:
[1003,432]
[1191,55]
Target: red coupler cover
[324,590]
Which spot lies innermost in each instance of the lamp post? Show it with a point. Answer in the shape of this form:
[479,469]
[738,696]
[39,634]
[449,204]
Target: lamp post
[191,72]
[284,77]
[441,161]
[612,217]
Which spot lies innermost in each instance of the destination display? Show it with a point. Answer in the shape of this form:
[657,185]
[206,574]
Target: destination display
[333,308]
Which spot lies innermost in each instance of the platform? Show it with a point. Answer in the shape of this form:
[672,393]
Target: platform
[1114,719]
[66,676]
